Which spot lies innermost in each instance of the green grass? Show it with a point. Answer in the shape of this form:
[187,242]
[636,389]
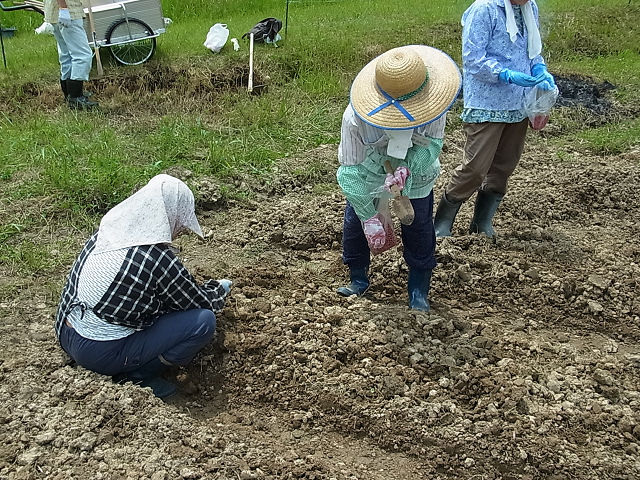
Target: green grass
[613,139]
[79,165]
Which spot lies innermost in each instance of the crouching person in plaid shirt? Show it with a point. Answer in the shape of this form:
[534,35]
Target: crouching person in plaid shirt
[130,309]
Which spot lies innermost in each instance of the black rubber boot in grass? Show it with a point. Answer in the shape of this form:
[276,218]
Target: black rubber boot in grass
[76,99]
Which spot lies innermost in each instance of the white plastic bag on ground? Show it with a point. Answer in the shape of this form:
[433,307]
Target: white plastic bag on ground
[217,37]
[45,28]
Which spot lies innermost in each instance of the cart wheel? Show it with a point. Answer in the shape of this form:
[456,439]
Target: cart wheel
[131,43]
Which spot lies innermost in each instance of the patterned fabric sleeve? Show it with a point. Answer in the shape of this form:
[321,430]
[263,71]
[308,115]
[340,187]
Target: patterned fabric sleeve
[351,150]
[181,291]
[152,281]
[479,21]
[353,182]
[424,165]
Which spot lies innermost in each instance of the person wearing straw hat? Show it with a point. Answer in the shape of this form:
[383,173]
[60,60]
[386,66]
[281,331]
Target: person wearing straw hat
[501,49]
[397,113]
[130,309]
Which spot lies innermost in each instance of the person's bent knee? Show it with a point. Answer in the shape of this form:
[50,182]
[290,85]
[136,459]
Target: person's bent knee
[206,324]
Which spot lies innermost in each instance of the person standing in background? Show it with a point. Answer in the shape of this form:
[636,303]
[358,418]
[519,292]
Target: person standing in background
[501,49]
[74,52]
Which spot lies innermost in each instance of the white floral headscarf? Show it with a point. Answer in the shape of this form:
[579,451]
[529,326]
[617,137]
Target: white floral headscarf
[154,214]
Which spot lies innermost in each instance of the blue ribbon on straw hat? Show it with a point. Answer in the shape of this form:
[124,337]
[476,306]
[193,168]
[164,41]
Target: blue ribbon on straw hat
[396,101]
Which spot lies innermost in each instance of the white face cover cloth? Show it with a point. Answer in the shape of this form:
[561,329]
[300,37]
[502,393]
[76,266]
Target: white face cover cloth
[399,142]
[154,214]
[534,43]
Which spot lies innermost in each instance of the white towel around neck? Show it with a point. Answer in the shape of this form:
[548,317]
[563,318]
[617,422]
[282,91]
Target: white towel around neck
[399,143]
[534,43]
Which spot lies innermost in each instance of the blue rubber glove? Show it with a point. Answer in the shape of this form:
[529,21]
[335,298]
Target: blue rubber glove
[519,78]
[226,284]
[549,82]
[64,17]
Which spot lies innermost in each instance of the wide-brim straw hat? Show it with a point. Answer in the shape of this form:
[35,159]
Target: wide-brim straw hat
[405,87]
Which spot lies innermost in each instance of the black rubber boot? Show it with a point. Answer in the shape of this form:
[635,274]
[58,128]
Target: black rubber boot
[65,90]
[359,283]
[487,203]
[76,99]
[418,286]
[148,375]
[445,215]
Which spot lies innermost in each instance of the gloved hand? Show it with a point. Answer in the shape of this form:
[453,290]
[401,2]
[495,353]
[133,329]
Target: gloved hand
[519,78]
[226,284]
[540,69]
[64,17]
[374,231]
[399,177]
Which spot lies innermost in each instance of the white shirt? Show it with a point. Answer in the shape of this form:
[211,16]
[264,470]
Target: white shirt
[357,135]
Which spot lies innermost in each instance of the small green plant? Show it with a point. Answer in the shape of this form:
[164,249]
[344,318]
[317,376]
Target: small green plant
[613,139]
[8,231]
[28,257]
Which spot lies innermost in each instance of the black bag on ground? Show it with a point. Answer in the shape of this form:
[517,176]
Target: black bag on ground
[265,30]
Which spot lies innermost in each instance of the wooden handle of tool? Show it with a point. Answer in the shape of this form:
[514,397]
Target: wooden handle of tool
[401,205]
[250,81]
[96,48]
[395,191]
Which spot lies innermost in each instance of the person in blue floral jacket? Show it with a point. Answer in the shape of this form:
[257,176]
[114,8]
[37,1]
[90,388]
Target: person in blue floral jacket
[501,49]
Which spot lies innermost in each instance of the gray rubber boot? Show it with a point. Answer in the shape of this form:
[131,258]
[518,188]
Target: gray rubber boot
[445,216]
[359,283]
[487,204]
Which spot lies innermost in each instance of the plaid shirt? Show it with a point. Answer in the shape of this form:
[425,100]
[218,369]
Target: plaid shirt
[151,281]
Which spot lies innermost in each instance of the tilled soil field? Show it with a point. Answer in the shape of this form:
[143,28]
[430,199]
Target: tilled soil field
[528,366]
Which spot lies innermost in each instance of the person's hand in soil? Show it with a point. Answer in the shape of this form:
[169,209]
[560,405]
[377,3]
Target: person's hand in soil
[226,284]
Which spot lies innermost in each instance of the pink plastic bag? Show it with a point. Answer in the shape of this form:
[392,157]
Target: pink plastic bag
[390,239]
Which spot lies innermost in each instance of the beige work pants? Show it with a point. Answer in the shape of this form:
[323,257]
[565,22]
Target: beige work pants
[491,153]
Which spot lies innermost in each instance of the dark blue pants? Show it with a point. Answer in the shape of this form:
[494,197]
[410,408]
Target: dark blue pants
[419,238]
[177,336]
